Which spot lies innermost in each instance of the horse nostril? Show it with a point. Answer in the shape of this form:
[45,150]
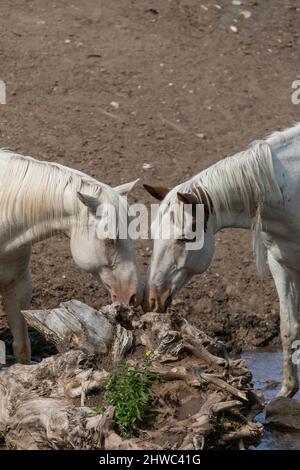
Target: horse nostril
[168,302]
[132,300]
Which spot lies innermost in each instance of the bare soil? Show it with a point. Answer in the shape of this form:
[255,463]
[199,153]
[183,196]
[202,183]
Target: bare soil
[190,91]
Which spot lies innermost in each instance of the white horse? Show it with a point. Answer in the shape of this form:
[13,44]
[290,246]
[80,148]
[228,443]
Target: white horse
[39,199]
[258,189]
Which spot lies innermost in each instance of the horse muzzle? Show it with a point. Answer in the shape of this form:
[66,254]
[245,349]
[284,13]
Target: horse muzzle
[126,295]
[156,301]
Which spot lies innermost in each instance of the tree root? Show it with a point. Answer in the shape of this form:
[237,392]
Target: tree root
[46,406]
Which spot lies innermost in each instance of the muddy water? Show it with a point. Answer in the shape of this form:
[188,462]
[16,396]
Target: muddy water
[266,367]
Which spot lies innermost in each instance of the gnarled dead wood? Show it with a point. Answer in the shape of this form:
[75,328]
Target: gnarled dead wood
[73,325]
[46,406]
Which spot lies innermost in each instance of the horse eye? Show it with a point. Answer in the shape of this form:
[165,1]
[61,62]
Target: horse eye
[185,239]
[110,242]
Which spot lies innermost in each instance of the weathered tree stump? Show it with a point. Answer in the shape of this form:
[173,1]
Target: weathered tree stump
[46,406]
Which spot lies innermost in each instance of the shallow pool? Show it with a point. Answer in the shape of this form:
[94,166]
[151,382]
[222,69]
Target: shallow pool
[266,367]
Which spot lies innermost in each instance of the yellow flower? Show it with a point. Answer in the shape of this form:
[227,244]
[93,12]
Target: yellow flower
[148,353]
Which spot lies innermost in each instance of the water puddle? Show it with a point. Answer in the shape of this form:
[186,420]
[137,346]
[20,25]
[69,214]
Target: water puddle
[266,367]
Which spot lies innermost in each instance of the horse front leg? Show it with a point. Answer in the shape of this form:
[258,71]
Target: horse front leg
[287,284]
[17,296]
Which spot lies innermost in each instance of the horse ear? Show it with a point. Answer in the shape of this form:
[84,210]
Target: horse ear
[188,198]
[191,198]
[124,189]
[89,201]
[158,192]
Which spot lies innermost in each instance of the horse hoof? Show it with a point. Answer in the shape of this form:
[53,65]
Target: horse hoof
[288,392]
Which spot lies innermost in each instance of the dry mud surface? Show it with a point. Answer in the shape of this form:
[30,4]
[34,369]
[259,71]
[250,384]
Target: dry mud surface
[190,91]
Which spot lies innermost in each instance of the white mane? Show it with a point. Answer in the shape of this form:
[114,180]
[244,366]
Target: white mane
[32,193]
[280,137]
[250,174]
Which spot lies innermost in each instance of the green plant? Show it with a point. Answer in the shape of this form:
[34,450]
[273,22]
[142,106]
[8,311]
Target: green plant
[167,446]
[97,410]
[128,389]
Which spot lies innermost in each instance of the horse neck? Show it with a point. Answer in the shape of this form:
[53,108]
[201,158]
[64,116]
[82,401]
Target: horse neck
[19,235]
[240,188]
[236,217]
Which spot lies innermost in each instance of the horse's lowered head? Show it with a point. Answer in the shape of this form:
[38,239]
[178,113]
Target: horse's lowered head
[173,262]
[100,243]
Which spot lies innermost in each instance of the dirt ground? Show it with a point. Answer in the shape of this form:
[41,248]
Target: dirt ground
[190,91]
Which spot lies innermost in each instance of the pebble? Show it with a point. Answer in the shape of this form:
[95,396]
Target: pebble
[115,104]
[237,3]
[147,166]
[233,28]
[246,14]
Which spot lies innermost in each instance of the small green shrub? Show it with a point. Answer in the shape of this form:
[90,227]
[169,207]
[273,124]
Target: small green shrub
[128,389]
[167,446]
[97,410]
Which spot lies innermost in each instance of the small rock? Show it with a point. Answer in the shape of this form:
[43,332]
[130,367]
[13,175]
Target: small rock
[201,135]
[115,104]
[147,166]
[246,14]
[237,3]
[67,41]
[233,29]
[283,413]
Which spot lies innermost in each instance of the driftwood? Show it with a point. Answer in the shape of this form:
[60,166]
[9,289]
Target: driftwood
[73,325]
[202,397]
